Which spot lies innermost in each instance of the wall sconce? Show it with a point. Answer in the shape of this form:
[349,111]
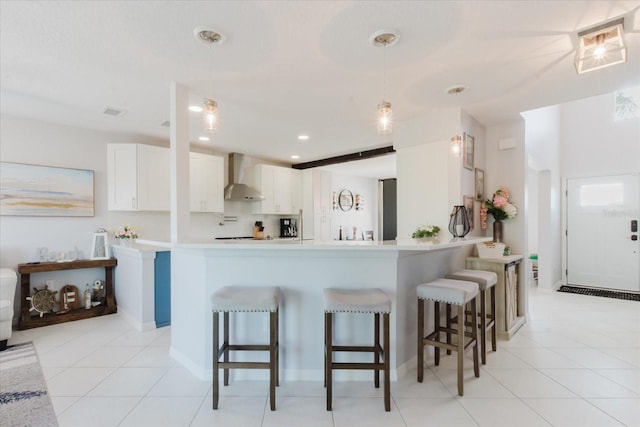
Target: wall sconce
[459,222]
[601,46]
[456,146]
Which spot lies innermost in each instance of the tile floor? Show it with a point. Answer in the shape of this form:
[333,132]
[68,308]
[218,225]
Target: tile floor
[575,363]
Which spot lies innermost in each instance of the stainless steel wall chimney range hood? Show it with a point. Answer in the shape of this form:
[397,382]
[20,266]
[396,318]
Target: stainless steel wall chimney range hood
[237,189]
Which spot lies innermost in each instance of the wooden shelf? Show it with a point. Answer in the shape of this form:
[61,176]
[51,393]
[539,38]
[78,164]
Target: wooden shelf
[27,321]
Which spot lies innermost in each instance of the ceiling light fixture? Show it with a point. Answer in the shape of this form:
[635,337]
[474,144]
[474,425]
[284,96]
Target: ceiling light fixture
[303,137]
[203,138]
[601,46]
[384,38]
[195,108]
[456,90]
[295,156]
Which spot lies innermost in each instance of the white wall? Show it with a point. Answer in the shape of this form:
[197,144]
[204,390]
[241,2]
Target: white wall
[430,179]
[544,187]
[365,219]
[593,143]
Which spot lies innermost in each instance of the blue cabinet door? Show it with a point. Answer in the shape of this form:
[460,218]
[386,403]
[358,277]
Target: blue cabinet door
[162,269]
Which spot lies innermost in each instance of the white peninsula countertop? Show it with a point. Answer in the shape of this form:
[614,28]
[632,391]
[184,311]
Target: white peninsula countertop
[302,270]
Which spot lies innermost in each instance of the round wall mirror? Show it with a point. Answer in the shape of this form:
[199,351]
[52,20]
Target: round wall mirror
[345,200]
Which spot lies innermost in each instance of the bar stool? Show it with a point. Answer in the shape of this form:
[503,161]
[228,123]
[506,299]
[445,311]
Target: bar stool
[450,292]
[245,299]
[358,301]
[485,280]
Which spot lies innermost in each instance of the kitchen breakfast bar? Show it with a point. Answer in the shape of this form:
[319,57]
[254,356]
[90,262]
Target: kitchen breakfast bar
[302,270]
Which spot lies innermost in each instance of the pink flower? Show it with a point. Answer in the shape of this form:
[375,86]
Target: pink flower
[500,201]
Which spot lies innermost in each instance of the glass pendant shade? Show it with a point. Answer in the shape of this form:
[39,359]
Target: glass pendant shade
[459,222]
[456,146]
[209,115]
[385,118]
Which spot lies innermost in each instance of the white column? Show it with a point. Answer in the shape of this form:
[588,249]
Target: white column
[179,151]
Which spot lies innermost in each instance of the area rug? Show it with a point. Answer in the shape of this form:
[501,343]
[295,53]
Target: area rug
[24,399]
[600,293]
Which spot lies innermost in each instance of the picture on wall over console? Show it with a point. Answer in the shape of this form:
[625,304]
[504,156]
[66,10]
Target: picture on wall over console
[468,151]
[31,190]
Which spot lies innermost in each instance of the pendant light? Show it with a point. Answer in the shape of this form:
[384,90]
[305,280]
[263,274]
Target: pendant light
[384,38]
[210,117]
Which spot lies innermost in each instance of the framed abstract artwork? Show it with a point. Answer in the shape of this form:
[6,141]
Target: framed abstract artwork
[31,190]
[468,151]
[468,204]
[479,185]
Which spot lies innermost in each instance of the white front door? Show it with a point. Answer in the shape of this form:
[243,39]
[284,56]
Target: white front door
[601,250]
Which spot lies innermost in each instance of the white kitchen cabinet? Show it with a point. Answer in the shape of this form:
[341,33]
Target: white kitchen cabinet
[280,187]
[137,177]
[206,182]
[316,205]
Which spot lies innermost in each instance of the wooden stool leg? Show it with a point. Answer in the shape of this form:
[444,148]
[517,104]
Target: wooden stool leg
[278,347]
[474,336]
[448,315]
[226,343]
[420,339]
[216,356]
[436,321]
[329,356]
[376,346]
[460,339]
[387,363]
[273,324]
[483,326]
[493,318]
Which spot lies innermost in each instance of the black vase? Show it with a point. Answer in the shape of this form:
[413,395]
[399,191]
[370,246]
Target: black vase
[497,231]
[459,222]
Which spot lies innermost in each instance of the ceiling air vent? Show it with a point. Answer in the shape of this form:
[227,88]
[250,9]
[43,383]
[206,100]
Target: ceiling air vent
[166,123]
[115,112]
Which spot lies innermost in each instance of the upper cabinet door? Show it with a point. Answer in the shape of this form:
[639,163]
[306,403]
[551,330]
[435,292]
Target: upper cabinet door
[122,181]
[153,178]
[281,188]
[206,183]
[137,177]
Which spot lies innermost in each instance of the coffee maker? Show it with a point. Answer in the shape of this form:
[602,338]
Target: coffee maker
[288,227]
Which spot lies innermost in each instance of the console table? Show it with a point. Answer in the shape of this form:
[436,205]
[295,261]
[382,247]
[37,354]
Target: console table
[27,321]
[509,291]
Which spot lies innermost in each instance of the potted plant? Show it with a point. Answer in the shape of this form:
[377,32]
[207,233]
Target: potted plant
[426,233]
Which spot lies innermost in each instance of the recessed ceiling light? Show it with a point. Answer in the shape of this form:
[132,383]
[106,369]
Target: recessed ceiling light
[203,138]
[295,156]
[457,90]
[195,108]
[303,137]
[114,111]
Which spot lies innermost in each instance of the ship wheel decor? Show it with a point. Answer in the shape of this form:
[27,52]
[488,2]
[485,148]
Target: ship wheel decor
[42,300]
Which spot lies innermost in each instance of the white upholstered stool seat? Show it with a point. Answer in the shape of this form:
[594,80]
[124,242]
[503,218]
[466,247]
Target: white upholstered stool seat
[245,299]
[449,292]
[485,280]
[358,301]
[456,292]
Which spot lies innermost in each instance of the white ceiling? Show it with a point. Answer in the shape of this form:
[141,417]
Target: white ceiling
[298,67]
